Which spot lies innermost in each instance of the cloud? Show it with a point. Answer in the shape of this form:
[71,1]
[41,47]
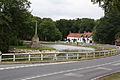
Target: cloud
[68,9]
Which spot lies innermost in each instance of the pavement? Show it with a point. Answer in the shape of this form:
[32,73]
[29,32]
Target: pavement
[73,70]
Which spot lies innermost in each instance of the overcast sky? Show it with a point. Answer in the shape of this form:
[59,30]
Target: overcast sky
[65,9]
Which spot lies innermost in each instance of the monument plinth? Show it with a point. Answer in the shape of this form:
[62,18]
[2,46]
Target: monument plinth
[35,40]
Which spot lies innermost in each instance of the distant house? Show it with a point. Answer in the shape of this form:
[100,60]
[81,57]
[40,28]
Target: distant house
[85,37]
[117,42]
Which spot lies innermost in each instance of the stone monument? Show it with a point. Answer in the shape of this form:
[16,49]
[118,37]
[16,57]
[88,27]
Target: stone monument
[35,40]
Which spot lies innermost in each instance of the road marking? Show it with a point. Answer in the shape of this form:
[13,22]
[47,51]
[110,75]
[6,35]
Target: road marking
[67,71]
[104,68]
[117,64]
[35,65]
[73,75]
[45,64]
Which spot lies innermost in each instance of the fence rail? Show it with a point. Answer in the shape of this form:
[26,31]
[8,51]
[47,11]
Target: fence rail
[55,56]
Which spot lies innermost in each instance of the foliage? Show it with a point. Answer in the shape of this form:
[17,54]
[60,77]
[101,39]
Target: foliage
[48,31]
[117,36]
[75,26]
[64,26]
[13,16]
[87,25]
[109,5]
[107,28]
[17,23]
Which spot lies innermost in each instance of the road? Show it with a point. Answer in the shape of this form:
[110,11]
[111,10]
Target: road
[75,70]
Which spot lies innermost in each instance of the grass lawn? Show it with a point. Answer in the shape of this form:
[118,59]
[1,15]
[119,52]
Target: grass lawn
[115,76]
[25,47]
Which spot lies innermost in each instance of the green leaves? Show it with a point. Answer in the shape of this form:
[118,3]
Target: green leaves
[107,29]
[75,26]
[109,5]
[48,30]
[13,17]
[117,36]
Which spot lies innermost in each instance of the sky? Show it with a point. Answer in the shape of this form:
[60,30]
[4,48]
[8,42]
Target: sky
[65,9]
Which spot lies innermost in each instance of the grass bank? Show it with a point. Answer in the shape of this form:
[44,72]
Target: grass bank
[25,47]
[115,76]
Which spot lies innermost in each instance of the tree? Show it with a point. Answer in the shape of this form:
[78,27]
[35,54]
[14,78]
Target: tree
[75,26]
[117,36]
[87,25]
[107,28]
[13,16]
[48,31]
[64,26]
[109,5]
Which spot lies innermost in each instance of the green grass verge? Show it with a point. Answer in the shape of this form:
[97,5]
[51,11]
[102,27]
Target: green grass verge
[25,47]
[115,76]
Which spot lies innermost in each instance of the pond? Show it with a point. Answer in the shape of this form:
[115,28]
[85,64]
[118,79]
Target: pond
[60,47]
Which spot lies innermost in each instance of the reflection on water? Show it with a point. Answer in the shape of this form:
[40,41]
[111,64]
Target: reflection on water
[69,47]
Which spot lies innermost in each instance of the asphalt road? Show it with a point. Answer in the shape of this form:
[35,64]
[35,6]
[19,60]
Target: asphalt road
[77,70]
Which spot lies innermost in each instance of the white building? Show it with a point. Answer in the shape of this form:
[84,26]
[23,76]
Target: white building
[85,37]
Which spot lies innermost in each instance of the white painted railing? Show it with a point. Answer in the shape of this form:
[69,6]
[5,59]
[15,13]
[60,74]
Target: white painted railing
[55,56]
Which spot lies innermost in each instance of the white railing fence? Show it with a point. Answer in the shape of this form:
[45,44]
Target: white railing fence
[55,56]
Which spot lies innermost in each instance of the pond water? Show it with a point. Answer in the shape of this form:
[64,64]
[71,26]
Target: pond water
[69,48]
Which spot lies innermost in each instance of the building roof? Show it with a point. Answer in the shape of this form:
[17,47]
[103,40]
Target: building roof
[85,34]
[74,35]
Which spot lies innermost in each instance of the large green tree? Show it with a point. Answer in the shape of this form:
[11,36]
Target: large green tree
[109,5]
[13,17]
[107,29]
[48,31]
[64,26]
[84,24]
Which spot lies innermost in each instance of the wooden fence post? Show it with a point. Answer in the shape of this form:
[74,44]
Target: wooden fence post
[14,57]
[104,53]
[86,56]
[67,56]
[29,56]
[55,57]
[41,56]
[77,55]
[93,54]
